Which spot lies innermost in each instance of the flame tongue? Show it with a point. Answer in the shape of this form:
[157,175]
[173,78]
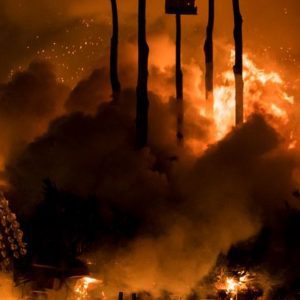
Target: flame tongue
[83,285]
[265,92]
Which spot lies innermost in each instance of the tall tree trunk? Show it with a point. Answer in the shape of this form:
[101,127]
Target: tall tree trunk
[142,84]
[114,79]
[238,67]
[209,58]
[179,81]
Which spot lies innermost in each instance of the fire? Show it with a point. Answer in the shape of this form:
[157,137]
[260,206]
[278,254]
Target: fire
[83,285]
[233,285]
[292,141]
[264,91]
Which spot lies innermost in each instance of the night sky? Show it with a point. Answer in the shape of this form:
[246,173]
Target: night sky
[74,36]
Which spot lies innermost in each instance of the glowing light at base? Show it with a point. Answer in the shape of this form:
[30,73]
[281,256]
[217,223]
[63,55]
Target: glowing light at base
[83,285]
[233,285]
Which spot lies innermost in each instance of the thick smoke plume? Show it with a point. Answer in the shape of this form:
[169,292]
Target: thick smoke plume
[165,213]
[186,209]
[28,102]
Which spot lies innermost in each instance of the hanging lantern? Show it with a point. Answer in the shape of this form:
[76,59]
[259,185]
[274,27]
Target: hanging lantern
[181,7]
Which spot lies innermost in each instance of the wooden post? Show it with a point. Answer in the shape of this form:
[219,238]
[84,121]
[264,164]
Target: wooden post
[179,82]
[209,59]
[142,84]
[238,67]
[114,79]
[134,296]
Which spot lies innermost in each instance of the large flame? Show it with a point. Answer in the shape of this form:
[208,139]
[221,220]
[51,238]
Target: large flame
[264,91]
[83,285]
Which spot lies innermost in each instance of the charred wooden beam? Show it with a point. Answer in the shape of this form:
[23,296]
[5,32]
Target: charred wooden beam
[134,296]
[121,296]
[179,81]
[142,84]
[209,58]
[114,79]
[238,67]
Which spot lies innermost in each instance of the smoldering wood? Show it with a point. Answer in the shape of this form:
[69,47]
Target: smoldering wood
[114,79]
[209,58]
[179,81]
[142,103]
[238,67]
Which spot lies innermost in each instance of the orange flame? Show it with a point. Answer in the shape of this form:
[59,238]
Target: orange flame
[233,285]
[264,92]
[83,285]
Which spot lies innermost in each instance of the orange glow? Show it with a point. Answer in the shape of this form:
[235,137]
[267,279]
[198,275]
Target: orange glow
[3,182]
[232,285]
[263,92]
[83,285]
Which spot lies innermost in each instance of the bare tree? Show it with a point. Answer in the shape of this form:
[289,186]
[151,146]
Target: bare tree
[142,84]
[179,81]
[180,7]
[115,83]
[238,67]
[209,58]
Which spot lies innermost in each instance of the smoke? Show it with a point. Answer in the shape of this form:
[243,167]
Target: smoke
[224,196]
[186,205]
[190,208]
[28,102]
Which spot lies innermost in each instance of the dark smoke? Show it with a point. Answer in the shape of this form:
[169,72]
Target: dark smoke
[28,102]
[155,219]
[176,207]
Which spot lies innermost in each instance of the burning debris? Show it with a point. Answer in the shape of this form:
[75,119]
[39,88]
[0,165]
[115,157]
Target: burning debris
[238,285]
[87,288]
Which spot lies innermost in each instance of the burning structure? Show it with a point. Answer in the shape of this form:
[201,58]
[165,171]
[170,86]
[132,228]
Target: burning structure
[216,218]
